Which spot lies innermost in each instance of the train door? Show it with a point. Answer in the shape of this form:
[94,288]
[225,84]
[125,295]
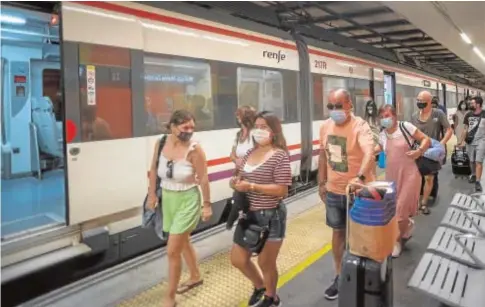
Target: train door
[33,177]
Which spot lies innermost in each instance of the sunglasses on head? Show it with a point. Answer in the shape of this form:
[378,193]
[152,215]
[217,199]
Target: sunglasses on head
[337,106]
[170,169]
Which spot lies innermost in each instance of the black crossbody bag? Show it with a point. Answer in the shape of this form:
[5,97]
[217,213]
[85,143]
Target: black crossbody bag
[425,165]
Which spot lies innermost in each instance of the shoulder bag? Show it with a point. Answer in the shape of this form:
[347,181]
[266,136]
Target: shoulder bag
[425,166]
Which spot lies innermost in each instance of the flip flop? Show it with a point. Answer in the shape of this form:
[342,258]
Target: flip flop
[424,210]
[187,286]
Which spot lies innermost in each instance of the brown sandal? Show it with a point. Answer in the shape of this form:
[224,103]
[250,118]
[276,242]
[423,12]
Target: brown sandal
[187,286]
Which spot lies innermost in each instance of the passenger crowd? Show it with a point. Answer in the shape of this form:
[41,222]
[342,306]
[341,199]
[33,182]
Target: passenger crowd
[349,144]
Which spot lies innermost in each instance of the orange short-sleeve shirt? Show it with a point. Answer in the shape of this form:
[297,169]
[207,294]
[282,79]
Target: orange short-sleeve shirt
[345,147]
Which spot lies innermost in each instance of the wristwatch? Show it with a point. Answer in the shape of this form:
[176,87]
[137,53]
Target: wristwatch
[361,177]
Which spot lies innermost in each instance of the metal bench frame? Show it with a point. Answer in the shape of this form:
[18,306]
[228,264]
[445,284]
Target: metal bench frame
[451,270]
[467,219]
[470,202]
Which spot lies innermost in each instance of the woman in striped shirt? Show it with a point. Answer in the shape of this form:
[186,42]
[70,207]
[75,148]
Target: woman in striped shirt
[265,175]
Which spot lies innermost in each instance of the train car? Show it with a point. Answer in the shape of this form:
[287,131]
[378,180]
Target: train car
[87,90]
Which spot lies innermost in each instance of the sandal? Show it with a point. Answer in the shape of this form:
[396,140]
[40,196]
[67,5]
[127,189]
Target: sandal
[188,285]
[424,209]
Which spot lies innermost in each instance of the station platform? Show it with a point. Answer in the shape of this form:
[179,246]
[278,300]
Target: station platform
[307,288]
[306,262]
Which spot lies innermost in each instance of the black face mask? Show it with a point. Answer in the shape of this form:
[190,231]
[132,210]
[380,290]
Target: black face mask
[185,136]
[421,105]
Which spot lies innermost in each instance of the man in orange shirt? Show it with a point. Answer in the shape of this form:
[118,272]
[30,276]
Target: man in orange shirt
[346,155]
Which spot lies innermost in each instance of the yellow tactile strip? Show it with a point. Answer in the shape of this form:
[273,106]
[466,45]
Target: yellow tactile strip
[226,286]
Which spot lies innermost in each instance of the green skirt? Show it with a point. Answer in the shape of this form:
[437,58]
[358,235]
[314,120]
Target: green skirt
[181,210]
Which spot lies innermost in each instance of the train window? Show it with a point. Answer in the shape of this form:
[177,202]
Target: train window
[318,107]
[379,93]
[105,92]
[51,87]
[224,93]
[172,84]
[406,101]
[261,89]
[360,95]
[451,100]
[330,84]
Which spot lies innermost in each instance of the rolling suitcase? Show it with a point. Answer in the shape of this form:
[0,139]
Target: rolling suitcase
[364,282]
[460,163]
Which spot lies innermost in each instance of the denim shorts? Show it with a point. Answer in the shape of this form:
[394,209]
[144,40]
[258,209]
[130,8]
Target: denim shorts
[336,210]
[276,219]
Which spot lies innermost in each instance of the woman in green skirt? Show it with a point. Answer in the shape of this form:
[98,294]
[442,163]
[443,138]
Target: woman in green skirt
[183,169]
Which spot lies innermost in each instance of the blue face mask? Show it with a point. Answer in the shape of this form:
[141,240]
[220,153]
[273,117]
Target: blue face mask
[387,122]
[338,116]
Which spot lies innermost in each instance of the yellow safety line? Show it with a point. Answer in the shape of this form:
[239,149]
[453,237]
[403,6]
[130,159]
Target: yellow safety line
[297,269]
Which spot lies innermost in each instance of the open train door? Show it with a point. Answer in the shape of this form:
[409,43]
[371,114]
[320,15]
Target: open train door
[33,179]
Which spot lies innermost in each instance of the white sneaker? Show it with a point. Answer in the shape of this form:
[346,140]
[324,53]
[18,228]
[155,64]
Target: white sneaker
[396,252]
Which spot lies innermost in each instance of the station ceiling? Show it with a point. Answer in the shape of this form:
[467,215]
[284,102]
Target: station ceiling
[374,28]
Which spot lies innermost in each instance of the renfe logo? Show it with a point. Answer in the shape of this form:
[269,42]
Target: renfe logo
[273,55]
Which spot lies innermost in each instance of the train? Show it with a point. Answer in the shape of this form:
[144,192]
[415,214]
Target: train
[87,89]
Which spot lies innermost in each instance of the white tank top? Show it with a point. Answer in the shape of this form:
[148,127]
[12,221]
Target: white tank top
[242,148]
[183,174]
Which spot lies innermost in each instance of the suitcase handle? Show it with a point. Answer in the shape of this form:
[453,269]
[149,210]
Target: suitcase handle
[348,193]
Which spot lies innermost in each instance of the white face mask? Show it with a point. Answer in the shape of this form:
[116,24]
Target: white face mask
[261,136]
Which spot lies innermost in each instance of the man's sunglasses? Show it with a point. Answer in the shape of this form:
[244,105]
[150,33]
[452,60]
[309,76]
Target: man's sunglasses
[337,106]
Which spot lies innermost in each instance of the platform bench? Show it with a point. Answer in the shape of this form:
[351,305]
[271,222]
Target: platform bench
[449,281]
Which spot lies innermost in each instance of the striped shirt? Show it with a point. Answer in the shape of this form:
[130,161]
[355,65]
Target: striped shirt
[275,170]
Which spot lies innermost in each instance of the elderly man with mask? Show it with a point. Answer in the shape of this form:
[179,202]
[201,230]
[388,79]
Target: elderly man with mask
[346,155]
[434,123]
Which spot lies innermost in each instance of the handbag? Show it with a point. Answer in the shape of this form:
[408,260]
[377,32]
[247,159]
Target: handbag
[255,237]
[153,218]
[425,165]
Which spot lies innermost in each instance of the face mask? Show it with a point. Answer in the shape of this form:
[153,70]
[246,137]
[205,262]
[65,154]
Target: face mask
[261,136]
[387,122]
[472,108]
[338,116]
[185,136]
[435,106]
[462,108]
[421,105]
[370,111]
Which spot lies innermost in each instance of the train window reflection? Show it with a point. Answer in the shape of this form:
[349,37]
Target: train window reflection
[360,95]
[261,89]
[172,84]
[330,84]
[105,92]
[318,107]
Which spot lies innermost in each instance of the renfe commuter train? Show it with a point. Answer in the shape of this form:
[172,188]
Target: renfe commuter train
[81,117]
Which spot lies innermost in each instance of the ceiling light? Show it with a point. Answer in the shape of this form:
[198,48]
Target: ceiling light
[465,38]
[479,53]
[12,19]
